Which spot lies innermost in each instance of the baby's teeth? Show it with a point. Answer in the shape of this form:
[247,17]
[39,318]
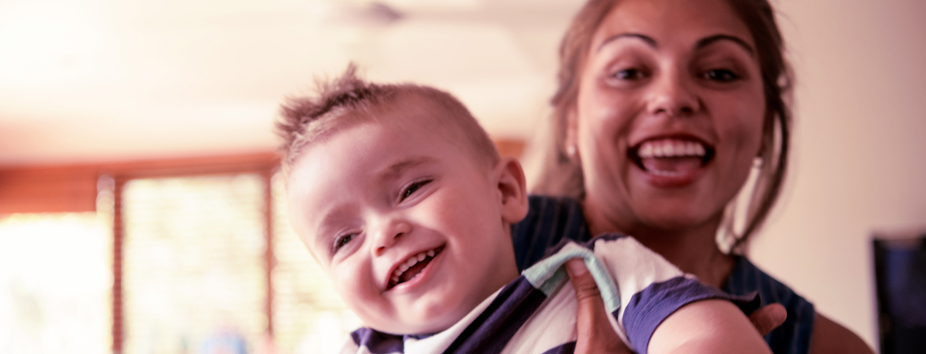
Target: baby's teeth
[409,263]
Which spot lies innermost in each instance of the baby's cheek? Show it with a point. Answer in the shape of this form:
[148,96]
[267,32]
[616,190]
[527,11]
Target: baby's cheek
[350,284]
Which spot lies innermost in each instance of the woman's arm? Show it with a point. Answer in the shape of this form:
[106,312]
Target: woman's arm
[709,326]
[595,334]
[831,337]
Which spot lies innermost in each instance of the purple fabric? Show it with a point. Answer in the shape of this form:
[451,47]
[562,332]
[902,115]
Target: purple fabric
[567,348]
[377,342]
[649,307]
[491,331]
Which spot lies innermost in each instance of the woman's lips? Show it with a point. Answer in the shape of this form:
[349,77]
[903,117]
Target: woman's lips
[671,161]
[671,166]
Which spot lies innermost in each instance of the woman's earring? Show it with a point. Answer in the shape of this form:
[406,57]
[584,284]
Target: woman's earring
[571,151]
[757,162]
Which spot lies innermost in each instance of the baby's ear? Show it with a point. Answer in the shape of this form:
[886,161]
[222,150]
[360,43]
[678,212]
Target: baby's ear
[512,189]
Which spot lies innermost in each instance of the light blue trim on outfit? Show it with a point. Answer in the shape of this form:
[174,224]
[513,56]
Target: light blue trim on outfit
[549,273]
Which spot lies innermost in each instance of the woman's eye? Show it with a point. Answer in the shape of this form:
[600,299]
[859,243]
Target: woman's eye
[342,241]
[629,74]
[412,188]
[721,75]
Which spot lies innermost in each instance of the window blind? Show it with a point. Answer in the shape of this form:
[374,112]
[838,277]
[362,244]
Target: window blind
[193,270]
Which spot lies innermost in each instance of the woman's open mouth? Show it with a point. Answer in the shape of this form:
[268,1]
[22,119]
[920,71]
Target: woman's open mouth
[412,267]
[671,157]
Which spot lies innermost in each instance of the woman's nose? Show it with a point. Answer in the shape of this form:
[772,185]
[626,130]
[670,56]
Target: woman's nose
[673,94]
[388,233]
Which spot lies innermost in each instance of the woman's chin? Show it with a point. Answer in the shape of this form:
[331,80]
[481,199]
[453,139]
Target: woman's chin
[677,216]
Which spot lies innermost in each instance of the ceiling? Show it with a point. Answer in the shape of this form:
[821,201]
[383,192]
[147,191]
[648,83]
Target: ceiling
[105,80]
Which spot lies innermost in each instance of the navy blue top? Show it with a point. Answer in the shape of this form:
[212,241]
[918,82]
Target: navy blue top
[551,219]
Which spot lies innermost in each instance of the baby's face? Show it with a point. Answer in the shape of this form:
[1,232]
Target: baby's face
[408,226]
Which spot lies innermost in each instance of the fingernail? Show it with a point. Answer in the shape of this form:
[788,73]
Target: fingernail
[576,266]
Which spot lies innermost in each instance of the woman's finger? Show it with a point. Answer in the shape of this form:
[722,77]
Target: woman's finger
[768,318]
[594,331]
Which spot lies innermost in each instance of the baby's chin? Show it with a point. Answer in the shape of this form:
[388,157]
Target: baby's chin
[418,322]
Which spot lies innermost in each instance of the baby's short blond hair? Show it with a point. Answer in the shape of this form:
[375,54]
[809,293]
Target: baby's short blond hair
[347,100]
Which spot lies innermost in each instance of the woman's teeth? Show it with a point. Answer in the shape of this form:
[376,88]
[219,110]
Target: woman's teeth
[671,157]
[670,148]
[410,262]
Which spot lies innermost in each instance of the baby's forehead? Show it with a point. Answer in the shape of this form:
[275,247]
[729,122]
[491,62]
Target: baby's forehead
[411,113]
[413,108]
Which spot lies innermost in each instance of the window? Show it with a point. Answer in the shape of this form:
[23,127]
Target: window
[193,266]
[195,275]
[55,282]
[176,258]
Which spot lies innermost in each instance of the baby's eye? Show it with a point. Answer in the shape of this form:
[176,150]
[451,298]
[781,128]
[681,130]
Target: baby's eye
[412,188]
[629,74]
[721,75]
[342,241]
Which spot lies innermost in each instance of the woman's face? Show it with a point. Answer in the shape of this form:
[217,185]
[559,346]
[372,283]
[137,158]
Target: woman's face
[669,115]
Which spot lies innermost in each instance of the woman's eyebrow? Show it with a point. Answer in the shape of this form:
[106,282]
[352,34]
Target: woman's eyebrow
[706,41]
[645,38]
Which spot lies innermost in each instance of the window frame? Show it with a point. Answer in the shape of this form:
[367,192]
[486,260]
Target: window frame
[262,164]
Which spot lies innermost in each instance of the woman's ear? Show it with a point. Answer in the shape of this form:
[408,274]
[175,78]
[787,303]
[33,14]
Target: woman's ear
[767,141]
[570,139]
[512,190]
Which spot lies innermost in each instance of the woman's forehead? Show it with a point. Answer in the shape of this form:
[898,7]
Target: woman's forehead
[671,20]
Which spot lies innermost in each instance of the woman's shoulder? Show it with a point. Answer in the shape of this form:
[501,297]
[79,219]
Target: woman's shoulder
[794,335]
[549,221]
[747,277]
[831,337]
[547,206]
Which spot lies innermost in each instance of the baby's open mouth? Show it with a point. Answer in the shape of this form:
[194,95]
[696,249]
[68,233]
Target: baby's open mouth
[670,157]
[412,266]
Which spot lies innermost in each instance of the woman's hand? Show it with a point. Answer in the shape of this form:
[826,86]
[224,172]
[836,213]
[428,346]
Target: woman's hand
[593,328]
[768,317]
[594,331]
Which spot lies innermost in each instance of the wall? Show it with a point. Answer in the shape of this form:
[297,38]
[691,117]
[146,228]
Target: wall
[857,166]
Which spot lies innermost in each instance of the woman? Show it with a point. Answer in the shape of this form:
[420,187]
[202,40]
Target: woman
[664,109]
